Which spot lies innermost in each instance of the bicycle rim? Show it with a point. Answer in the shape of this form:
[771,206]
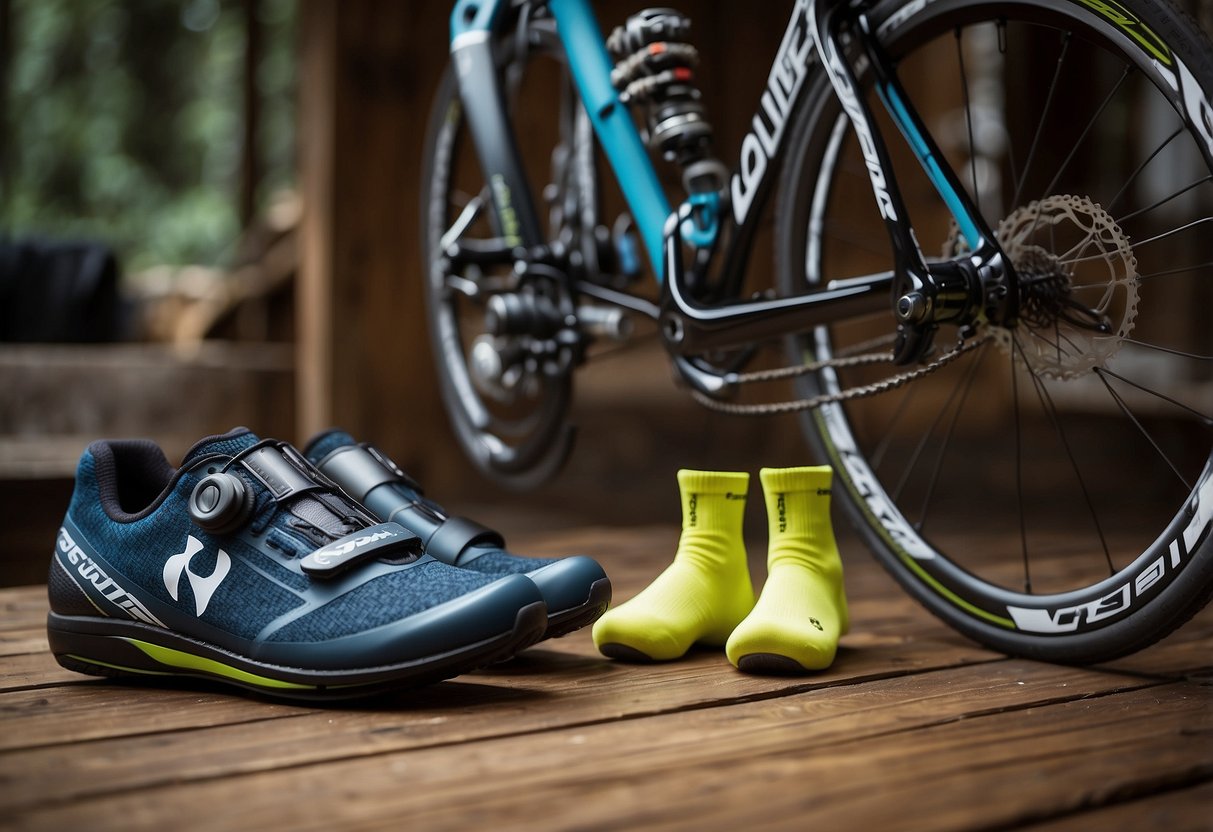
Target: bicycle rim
[509,419]
[1049,494]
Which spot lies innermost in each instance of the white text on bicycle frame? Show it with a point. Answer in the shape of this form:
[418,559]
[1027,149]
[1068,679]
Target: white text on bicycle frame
[783,86]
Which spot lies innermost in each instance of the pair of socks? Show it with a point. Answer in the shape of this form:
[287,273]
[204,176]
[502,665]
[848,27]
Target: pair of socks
[705,595]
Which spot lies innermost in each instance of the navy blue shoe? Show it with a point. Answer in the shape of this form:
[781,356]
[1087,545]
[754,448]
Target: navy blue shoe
[576,589]
[247,566]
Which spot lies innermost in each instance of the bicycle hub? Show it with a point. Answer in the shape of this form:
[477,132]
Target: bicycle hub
[522,314]
[949,293]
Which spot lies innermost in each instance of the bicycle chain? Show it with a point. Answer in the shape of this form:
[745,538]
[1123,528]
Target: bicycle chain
[860,392]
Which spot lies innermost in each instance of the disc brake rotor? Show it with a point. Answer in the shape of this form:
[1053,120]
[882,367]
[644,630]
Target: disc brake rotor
[1078,285]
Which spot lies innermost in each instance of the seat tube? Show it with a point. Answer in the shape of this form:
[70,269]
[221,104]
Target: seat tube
[591,67]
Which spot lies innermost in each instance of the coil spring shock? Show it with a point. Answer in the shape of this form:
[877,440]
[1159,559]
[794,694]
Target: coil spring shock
[654,68]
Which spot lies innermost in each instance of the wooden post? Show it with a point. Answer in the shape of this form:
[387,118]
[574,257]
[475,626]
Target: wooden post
[368,70]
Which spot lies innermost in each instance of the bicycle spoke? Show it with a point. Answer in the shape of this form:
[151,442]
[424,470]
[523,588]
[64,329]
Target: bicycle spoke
[1133,176]
[1203,417]
[1147,241]
[1090,124]
[1050,408]
[1023,533]
[1124,407]
[1027,165]
[1180,270]
[922,443]
[854,240]
[970,375]
[964,85]
[1180,192]
[1056,344]
[1191,355]
[886,437]
[1002,49]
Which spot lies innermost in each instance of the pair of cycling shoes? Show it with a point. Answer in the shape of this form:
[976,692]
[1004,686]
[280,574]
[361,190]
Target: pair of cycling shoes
[321,575]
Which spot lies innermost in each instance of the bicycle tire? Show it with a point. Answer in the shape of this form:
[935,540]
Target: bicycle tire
[518,437]
[1166,575]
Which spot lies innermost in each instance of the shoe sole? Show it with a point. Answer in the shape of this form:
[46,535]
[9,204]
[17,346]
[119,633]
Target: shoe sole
[120,649]
[624,653]
[771,664]
[565,621]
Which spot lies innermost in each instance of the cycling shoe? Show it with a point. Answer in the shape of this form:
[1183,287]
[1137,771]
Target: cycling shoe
[248,567]
[575,589]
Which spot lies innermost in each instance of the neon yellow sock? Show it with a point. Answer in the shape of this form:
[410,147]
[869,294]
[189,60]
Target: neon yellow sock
[797,621]
[704,593]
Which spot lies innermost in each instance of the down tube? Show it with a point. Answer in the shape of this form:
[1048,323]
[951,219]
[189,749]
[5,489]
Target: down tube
[591,67]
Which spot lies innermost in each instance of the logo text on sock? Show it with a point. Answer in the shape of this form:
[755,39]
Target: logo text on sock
[783,514]
[692,506]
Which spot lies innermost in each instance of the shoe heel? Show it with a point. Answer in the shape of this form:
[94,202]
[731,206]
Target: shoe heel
[96,654]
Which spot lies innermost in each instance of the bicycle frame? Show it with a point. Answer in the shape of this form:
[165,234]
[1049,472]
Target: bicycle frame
[951,290]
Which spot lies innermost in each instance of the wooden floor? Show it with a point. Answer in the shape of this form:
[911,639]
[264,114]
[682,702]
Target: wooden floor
[913,728]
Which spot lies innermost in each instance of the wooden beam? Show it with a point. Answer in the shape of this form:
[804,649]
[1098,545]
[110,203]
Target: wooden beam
[368,72]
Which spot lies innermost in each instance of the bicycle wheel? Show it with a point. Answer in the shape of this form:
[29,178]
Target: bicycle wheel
[1050,493]
[506,387]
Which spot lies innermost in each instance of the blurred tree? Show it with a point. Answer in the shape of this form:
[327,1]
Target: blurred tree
[124,121]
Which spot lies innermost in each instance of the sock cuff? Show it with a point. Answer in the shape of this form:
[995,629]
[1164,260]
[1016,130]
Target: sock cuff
[714,482]
[804,478]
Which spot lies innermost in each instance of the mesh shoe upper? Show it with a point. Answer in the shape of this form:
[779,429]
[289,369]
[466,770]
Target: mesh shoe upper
[129,510]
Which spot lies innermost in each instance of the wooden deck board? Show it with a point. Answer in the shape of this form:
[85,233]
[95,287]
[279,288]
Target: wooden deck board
[913,727]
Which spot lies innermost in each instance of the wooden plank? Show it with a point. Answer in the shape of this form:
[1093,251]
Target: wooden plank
[23,642]
[23,608]
[569,667]
[1181,810]
[995,771]
[747,765]
[447,718]
[34,670]
[91,709]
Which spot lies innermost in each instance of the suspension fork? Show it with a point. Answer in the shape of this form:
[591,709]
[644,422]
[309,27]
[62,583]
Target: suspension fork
[924,296]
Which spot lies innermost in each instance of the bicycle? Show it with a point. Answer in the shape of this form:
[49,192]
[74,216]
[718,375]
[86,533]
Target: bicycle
[1069,283]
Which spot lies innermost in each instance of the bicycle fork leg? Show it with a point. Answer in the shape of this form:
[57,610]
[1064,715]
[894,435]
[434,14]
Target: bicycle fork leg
[515,220]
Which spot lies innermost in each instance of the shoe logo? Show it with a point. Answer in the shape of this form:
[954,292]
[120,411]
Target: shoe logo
[100,582]
[204,586]
[327,555]
[359,548]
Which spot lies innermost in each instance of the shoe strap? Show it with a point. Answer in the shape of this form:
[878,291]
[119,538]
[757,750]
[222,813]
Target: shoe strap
[360,469]
[270,467]
[456,534]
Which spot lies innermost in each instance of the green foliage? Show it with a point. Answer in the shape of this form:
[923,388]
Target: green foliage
[123,122]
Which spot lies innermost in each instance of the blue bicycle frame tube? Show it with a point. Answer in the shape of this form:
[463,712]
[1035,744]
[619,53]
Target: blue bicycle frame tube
[591,68]
[897,108]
